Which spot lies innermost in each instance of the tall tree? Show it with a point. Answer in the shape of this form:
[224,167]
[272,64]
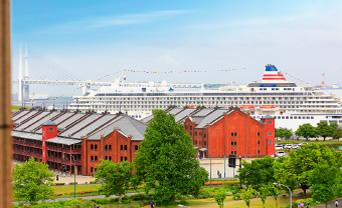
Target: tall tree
[307,131]
[32,181]
[324,130]
[298,167]
[167,159]
[258,172]
[114,177]
[326,181]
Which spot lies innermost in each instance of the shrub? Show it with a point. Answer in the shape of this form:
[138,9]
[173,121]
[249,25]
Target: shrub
[228,193]
[236,197]
[92,182]
[59,184]
[72,183]
[85,182]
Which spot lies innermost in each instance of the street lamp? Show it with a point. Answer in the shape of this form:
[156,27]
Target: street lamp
[206,150]
[289,191]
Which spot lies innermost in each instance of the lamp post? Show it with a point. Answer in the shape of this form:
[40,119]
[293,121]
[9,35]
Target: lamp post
[74,158]
[206,150]
[289,191]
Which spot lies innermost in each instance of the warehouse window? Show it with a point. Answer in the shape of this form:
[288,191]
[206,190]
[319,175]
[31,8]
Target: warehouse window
[270,122]
[269,133]
[258,142]
[110,158]
[91,158]
[258,133]
[235,134]
[121,159]
[95,158]
[91,169]
[106,147]
[91,147]
[121,147]
[258,152]
[235,143]
[50,129]
[110,147]
[125,158]
[136,147]
[95,146]
[106,157]
[125,147]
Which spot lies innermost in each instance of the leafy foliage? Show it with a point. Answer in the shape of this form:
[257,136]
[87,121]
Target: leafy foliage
[337,134]
[167,160]
[258,172]
[114,177]
[263,194]
[298,168]
[247,195]
[274,191]
[220,197]
[307,131]
[325,130]
[283,133]
[325,179]
[32,181]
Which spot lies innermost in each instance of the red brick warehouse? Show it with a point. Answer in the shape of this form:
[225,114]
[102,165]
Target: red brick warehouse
[227,131]
[65,139]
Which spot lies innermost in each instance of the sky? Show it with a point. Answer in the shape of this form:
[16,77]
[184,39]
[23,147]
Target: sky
[95,40]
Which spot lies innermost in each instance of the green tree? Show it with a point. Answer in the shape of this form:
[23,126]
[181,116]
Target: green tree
[324,130]
[298,167]
[247,194]
[307,131]
[114,177]
[337,134]
[326,181]
[220,197]
[258,172]
[32,181]
[263,194]
[283,133]
[167,160]
[274,191]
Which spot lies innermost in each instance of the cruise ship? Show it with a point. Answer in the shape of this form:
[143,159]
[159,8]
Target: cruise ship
[291,105]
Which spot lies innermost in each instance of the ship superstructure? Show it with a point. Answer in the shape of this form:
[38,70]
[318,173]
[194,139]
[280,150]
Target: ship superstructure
[290,104]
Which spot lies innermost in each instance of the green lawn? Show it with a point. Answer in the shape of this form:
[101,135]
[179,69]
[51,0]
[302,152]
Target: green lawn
[18,107]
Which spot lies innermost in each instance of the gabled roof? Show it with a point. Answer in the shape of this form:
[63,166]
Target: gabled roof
[126,124]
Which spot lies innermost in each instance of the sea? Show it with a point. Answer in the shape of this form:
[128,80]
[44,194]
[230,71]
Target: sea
[50,103]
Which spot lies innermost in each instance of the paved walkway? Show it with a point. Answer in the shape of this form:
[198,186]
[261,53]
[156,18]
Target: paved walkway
[331,204]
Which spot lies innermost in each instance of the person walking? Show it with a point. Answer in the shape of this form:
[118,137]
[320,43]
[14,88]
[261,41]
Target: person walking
[336,203]
[151,204]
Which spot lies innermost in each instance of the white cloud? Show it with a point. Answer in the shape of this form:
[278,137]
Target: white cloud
[112,21]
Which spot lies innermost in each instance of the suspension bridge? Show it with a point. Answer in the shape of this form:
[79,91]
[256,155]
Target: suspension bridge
[39,70]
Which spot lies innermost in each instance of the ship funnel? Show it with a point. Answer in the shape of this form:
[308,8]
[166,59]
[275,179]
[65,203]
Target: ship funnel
[272,75]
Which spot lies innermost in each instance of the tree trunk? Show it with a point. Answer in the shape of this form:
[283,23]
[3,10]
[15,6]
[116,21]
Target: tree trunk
[326,204]
[173,198]
[304,190]
[306,138]
[324,138]
[120,198]
[276,203]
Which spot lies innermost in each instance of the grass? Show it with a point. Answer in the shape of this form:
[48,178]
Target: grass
[68,191]
[310,142]
[18,107]
[270,203]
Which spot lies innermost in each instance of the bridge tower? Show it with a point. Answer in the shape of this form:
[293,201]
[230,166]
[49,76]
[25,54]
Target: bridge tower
[20,78]
[26,89]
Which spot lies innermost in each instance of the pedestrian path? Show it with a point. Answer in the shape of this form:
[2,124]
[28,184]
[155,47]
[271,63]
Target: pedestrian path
[331,204]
